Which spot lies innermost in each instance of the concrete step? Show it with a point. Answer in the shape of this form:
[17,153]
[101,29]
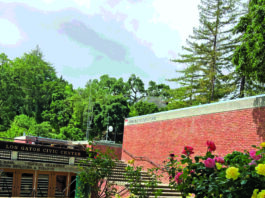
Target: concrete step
[118,177]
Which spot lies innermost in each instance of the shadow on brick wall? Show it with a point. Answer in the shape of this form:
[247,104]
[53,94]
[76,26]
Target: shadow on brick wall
[258,115]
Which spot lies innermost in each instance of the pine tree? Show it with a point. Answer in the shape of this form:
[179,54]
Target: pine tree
[208,72]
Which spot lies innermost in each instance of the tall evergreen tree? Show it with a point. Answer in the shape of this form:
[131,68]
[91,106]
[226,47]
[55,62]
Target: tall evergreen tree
[208,68]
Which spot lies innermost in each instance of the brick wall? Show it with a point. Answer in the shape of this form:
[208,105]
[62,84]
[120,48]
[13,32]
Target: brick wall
[117,150]
[233,125]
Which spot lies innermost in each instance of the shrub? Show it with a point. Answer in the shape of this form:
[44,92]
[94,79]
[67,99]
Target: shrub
[236,175]
[95,171]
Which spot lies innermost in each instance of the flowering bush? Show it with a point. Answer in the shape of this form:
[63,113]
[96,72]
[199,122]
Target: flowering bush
[239,174]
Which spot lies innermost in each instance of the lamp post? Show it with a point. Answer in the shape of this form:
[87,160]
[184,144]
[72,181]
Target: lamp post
[109,129]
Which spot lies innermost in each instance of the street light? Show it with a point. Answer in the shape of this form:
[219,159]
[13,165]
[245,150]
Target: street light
[110,128]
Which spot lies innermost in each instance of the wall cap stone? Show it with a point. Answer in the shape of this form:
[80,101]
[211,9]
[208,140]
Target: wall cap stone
[218,107]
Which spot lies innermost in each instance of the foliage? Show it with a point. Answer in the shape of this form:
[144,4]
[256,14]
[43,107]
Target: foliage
[142,108]
[70,133]
[25,87]
[157,89]
[236,175]
[23,124]
[136,90]
[60,108]
[29,86]
[208,71]
[248,56]
[137,185]
[95,171]
[43,129]
[112,113]
[33,77]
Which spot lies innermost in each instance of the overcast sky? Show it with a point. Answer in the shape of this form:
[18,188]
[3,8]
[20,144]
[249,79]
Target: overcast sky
[84,39]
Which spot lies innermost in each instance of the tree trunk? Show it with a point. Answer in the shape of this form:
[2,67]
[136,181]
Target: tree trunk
[242,87]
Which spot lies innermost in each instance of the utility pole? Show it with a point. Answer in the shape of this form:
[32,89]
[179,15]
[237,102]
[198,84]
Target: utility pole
[107,129]
[89,111]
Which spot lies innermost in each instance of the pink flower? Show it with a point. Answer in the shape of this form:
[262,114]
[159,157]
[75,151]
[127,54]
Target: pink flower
[188,150]
[211,145]
[220,160]
[192,172]
[253,155]
[170,177]
[177,179]
[253,162]
[209,163]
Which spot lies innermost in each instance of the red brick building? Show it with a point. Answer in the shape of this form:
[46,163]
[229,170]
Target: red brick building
[232,125]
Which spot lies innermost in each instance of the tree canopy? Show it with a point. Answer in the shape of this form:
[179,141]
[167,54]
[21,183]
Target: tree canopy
[222,59]
[34,101]
[249,56]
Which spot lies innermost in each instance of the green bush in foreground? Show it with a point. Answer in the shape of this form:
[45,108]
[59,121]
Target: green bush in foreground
[94,174]
[138,186]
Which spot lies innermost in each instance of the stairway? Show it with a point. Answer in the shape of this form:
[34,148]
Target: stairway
[118,178]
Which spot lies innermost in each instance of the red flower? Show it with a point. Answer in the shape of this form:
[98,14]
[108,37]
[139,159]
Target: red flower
[177,179]
[192,172]
[188,150]
[172,155]
[96,156]
[253,155]
[211,146]
[220,160]
[209,163]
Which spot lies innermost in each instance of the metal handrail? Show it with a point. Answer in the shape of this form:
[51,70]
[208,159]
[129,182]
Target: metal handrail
[143,158]
[123,191]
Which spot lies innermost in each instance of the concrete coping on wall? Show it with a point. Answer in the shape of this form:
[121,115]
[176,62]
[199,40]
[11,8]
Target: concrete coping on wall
[108,144]
[218,107]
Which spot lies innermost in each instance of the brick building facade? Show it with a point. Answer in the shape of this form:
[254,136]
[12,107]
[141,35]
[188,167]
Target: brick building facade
[232,125]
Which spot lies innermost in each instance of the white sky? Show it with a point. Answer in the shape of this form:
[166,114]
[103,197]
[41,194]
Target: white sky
[84,39]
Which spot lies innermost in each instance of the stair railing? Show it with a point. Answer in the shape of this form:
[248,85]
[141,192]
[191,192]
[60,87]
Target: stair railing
[143,158]
[123,191]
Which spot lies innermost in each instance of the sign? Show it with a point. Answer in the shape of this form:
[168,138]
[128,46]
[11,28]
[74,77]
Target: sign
[37,166]
[141,120]
[13,146]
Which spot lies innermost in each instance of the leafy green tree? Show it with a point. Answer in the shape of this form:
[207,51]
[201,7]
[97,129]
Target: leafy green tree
[112,113]
[136,88]
[120,87]
[208,52]
[99,100]
[61,109]
[249,57]
[22,124]
[157,89]
[142,108]
[33,77]
[70,133]
[10,94]
[79,116]
[113,86]
[43,129]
